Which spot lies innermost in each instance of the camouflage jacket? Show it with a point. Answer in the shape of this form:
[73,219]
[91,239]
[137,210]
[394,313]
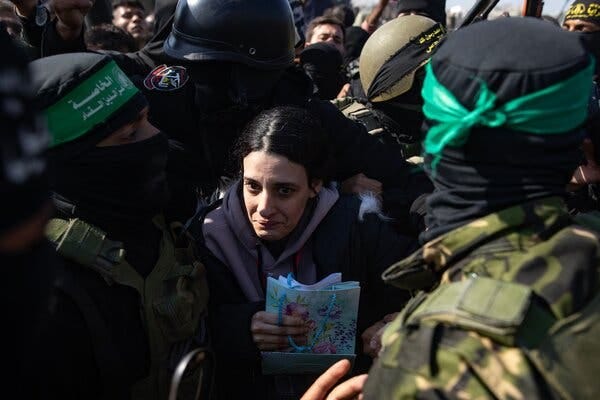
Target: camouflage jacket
[484,340]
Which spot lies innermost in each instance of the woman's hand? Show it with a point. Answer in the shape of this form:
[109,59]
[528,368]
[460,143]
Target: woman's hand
[351,389]
[268,336]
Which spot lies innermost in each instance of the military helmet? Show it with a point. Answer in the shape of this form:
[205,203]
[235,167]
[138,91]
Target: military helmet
[257,33]
[409,42]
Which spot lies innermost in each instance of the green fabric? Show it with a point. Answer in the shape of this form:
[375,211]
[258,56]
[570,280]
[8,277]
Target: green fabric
[90,103]
[556,109]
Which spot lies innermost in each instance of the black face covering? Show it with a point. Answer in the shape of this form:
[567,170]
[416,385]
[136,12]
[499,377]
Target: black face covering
[405,123]
[116,185]
[497,169]
[591,41]
[226,88]
[406,110]
[323,63]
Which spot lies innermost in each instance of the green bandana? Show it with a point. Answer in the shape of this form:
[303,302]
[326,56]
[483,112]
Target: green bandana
[90,103]
[556,109]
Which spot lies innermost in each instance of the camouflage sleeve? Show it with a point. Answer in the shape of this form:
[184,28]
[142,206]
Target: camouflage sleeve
[440,362]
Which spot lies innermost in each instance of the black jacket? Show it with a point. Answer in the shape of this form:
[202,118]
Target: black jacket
[360,250]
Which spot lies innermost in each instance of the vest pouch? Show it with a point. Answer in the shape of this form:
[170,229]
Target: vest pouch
[569,355]
[493,308]
[178,313]
[85,244]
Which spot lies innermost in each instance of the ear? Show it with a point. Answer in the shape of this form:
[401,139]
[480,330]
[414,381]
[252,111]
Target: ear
[316,185]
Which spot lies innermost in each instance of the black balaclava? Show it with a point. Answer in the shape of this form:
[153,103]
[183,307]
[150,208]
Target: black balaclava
[114,185]
[119,189]
[499,168]
[323,63]
[225,88]
[405,110]
[227,96]
[434,9]
[591,41]
[116,188]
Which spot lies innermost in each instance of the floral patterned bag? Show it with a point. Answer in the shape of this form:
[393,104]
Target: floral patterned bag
[329,307]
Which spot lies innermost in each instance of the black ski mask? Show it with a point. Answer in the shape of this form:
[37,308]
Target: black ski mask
[323,63]
[406,110]
[224,90]
[117,184]
[591,41]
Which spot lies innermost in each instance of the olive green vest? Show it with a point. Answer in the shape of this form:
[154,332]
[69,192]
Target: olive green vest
[173,297]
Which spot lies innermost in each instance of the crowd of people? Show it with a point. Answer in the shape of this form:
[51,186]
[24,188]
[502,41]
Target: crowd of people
[159,161]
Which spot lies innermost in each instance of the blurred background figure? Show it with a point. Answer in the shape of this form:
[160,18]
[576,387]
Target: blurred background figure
[326,29]
[9,20]
[343,13]
[27,260]
[455,17]
[109,37]
[583,19]
[130,15]
[434,9]
[354,40]
[323,63]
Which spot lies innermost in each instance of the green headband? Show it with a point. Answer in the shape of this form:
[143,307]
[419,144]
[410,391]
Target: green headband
[556,109]
[89,104]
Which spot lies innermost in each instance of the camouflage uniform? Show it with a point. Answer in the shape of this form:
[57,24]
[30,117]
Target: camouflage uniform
[432,351]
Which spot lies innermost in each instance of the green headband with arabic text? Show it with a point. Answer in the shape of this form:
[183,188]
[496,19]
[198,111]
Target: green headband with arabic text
[90,103]
[555,109]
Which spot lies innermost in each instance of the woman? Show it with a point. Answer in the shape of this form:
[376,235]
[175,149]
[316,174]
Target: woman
[283,216]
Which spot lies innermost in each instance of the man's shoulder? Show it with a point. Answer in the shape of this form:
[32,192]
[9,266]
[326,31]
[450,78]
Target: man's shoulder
[447,362]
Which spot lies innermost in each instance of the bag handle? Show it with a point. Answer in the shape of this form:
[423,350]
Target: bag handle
[319,332]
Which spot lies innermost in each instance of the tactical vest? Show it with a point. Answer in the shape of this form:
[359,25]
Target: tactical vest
[565,353]
[376,124]
[173,297]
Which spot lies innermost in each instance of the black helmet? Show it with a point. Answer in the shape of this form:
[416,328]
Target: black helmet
[258,33]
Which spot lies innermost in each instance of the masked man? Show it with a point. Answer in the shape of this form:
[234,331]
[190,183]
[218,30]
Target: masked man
[139,291]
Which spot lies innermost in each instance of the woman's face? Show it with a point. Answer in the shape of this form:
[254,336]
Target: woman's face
[275,191]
